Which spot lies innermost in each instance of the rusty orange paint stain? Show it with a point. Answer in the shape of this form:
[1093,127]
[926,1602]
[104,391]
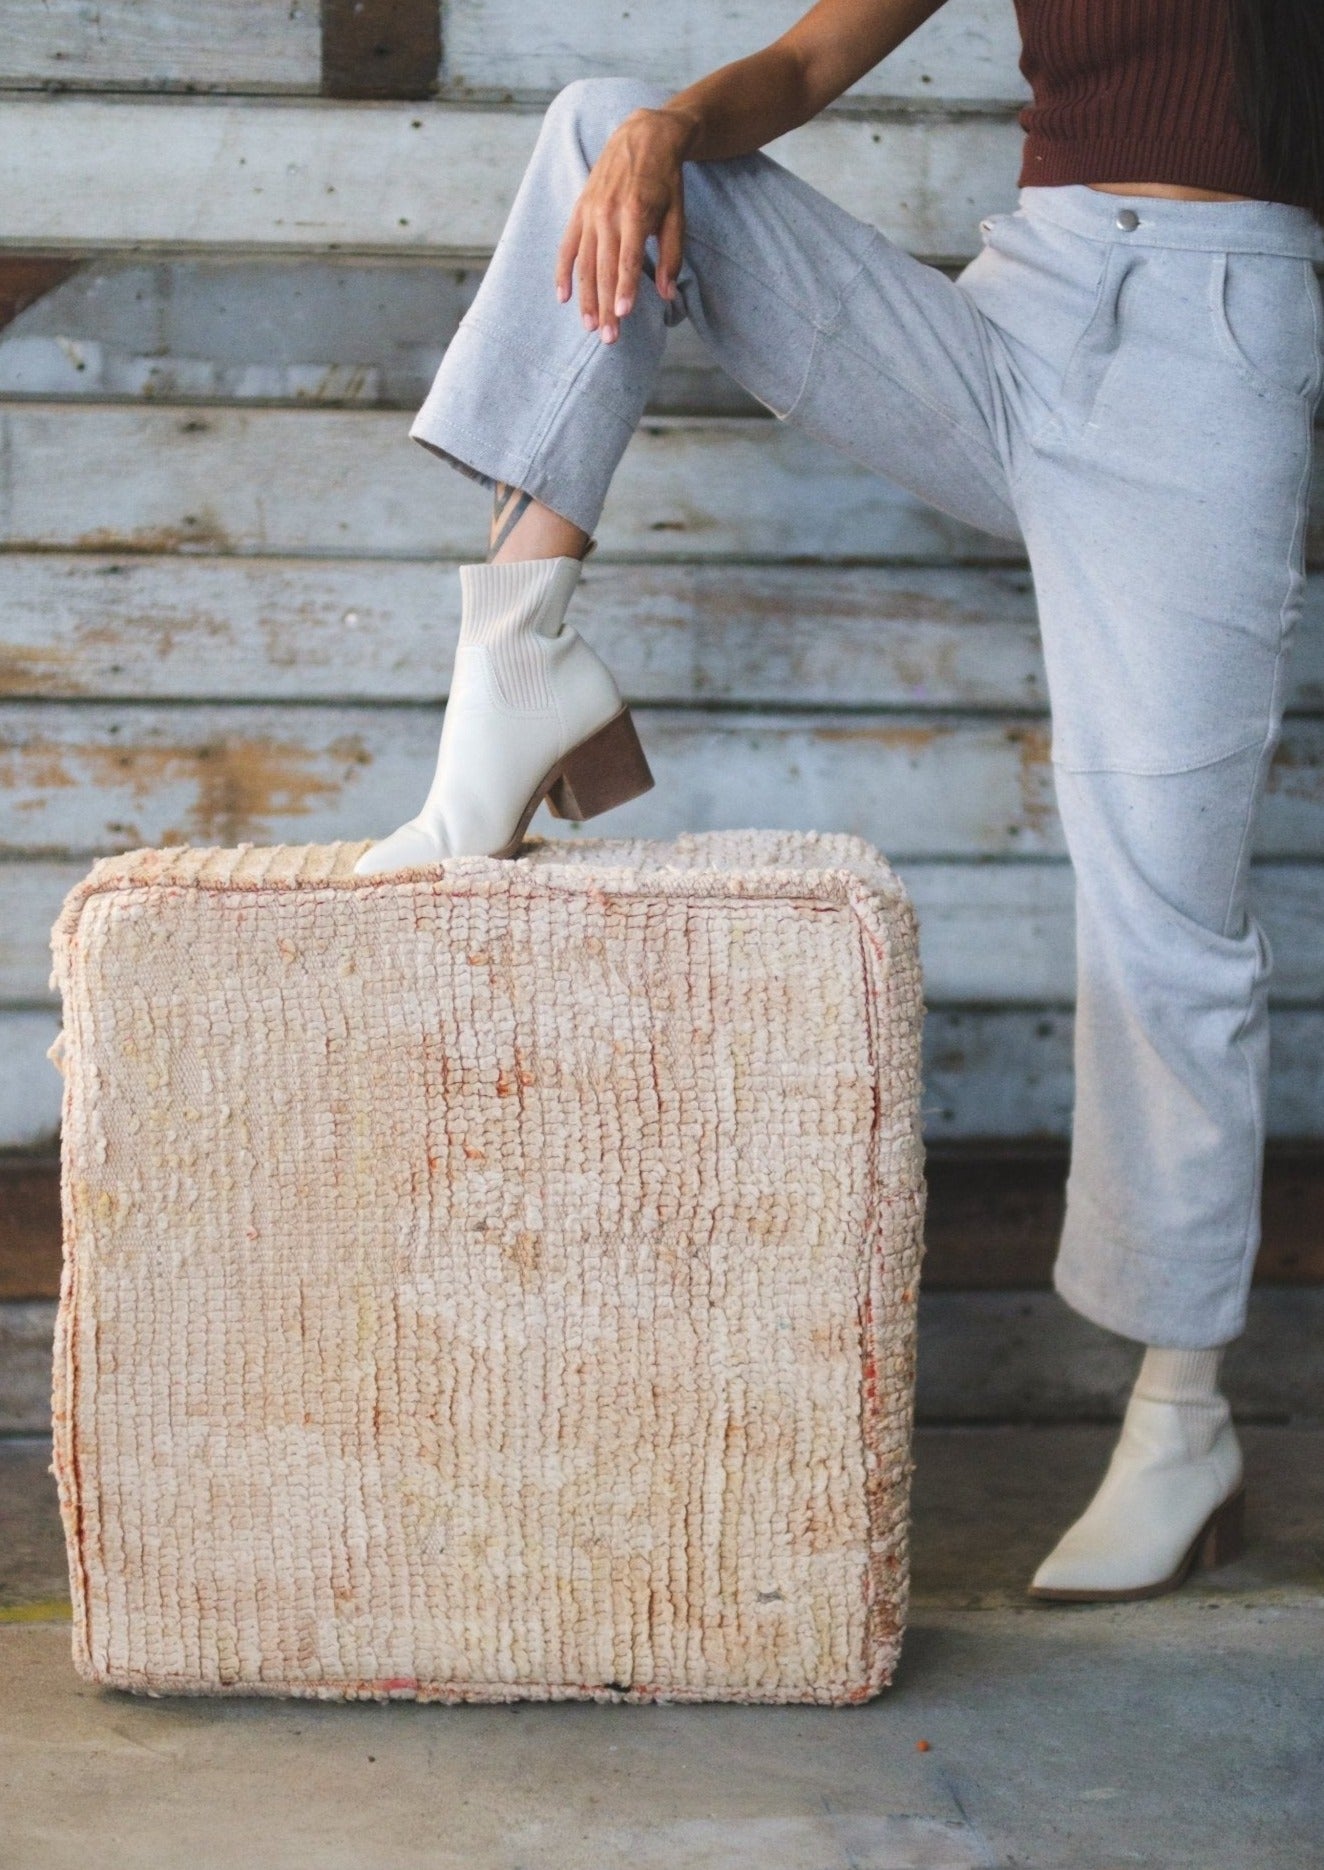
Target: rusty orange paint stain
[193,532]
[241,784]
[1034,773]
[38,669]
[916,739]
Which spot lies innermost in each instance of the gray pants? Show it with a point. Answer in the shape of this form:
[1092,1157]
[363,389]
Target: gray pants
[1128,386]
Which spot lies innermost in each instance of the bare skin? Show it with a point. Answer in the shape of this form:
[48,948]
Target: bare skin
[636,189]
[1175,191]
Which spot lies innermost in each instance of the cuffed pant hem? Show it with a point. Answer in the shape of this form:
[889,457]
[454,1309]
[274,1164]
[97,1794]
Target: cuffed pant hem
[468,420]
[1142,1303]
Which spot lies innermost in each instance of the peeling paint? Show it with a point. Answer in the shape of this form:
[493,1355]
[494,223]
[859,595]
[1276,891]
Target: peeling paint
[242,785]
[193,533]
[920,738]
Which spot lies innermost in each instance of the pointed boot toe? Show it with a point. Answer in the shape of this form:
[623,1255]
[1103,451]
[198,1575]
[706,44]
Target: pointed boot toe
[411,844]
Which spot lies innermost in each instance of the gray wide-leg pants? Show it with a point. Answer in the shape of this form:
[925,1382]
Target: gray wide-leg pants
[1126,384]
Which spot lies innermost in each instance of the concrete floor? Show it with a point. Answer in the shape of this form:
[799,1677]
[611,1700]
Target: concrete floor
[1184,1732]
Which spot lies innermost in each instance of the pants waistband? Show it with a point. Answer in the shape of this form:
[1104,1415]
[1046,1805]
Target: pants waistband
[1160,221]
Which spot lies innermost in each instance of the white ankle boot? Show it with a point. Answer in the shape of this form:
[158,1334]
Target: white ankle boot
[533,712]
[1172,1498]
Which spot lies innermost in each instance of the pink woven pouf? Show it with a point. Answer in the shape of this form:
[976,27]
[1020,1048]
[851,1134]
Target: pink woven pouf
[490,1281]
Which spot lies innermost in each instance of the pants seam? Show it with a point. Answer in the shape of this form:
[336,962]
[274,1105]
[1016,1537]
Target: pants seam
[768,285]
[1052,422]
[1162,772]
[571,384]
[563,380]
[1239,1039]
[976,442]
[819,328]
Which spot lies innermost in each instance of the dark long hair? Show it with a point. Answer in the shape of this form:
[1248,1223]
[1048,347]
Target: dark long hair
[1279,51]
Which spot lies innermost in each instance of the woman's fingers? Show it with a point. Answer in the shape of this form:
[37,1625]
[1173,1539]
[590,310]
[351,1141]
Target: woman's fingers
[630,263]
[670,248]
[565,255]
[609,246]
[588,278]
[633,191]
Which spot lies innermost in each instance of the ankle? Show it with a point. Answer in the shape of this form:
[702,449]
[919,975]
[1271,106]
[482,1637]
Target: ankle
[523,528]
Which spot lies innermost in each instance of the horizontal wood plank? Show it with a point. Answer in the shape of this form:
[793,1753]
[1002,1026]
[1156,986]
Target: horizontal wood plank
[966,52]
[226,45]
[314,482]
[83,777]
[281,629]
[318,481]
[423,177]
[94,777]
[994,933]
[1027,1357]
[989,1073]
[144,627]
[994,1215]
[305,329]
[1007,1073]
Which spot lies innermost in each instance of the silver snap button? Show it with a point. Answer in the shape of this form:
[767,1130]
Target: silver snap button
[1128,220]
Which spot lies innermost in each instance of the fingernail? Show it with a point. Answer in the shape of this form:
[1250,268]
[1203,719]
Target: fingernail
[622,307]
[588,321]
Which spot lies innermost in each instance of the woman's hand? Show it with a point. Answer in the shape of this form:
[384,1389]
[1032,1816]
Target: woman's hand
[634,189]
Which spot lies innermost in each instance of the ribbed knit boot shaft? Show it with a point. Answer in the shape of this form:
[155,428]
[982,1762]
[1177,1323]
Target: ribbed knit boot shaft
[505,609]
[1187,1383]
[1179,1376]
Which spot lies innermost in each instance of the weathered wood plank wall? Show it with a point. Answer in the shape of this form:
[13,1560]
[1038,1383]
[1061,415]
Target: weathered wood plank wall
[228,602]
[430,179]
[965,54]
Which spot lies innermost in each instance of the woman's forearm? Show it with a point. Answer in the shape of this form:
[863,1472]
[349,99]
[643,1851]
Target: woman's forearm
[741,106]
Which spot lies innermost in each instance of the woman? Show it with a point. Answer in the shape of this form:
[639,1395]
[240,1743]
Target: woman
[1125,378]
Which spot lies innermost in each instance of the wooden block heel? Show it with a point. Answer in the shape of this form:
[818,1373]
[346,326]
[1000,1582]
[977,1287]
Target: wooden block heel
[1224,1535]
[605,770]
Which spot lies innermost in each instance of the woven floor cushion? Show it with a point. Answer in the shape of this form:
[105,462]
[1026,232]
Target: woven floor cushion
[490,1281]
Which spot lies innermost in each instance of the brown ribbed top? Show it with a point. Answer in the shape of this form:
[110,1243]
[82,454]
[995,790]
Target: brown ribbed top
[1134,91]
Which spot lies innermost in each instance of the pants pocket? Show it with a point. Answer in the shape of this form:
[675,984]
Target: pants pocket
[1096,349]
[1265,310]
